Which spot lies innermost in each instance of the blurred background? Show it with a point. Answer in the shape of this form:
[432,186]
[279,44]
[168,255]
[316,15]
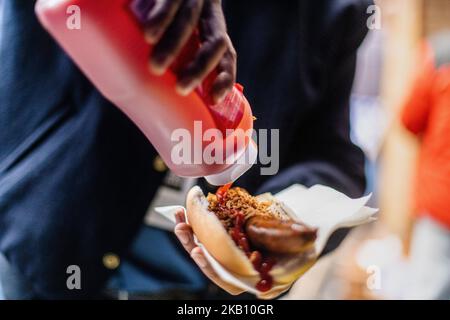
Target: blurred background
[378,261]
[406,252]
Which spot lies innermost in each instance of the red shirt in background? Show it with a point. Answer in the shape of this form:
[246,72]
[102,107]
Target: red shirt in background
[427,114]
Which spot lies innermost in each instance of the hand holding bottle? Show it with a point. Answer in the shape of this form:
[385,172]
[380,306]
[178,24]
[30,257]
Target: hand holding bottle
[169,24]
[112,48]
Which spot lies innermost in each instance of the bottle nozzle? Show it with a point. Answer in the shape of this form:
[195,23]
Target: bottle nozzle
[233,172]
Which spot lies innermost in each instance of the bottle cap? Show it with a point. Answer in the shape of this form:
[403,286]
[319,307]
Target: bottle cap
[241,165]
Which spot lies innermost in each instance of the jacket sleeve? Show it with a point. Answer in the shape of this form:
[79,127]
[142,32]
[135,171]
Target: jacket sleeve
[333,160]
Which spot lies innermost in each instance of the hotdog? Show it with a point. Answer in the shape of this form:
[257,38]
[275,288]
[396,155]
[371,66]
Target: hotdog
[278,236]
[254,237]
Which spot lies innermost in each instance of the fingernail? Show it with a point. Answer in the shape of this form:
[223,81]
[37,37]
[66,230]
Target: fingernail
[200,260]
[151,37]
[183,91]
[219,99]
[157,68]
[184,238]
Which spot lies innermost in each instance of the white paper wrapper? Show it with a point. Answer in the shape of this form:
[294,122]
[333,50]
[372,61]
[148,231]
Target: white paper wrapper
[318,206]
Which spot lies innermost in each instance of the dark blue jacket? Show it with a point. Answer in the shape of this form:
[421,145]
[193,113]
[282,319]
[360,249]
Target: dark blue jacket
[76,176]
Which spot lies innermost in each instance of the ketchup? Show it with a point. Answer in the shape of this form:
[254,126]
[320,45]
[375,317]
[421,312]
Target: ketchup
[266,281]
[238,234]
[262,264]
[221,193]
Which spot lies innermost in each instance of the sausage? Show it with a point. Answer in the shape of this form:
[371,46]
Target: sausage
[279,236]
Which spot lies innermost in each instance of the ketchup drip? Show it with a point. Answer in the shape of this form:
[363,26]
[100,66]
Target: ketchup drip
[221,193]
[262,264]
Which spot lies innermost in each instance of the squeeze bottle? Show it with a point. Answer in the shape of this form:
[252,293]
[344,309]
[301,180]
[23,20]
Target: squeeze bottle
[107,43]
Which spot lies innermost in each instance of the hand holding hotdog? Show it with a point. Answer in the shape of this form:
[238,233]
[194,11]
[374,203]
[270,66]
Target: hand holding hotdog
[252,237]
[185,235]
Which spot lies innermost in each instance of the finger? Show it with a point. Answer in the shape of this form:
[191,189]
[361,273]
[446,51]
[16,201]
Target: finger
[184,234]
[213,35]
[206,60]
[159,18]
[199,258]
[213,25]
[226,77]
[180,217]
[176,36]
[141,9]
